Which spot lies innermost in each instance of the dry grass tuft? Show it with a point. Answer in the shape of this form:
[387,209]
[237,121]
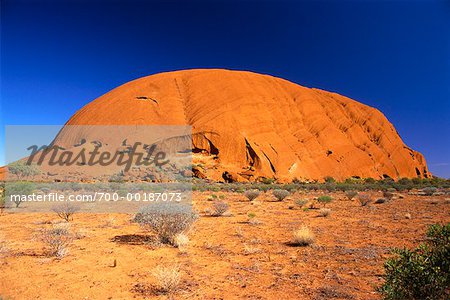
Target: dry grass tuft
[168,278]
[303,237]
[249,249]
[324,212]
[181,241]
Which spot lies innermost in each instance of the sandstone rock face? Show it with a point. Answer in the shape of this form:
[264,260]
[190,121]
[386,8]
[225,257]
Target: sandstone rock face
[249,126]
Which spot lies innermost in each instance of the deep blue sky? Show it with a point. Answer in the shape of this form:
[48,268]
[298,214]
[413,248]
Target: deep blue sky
[56,56]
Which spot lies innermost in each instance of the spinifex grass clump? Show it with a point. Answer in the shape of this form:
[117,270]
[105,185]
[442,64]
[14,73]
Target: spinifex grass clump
[166,219]
[421,273]
[280,194]
[324,200]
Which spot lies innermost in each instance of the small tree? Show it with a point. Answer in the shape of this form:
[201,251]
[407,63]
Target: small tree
[17,191]
[421,273]
[21,169]
[280,194]
[66,210]
[324,200]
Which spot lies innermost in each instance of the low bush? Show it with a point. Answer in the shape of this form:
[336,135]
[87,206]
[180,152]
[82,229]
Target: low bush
[364,199]
[301,202]
[351,194]
[56,240]
[166,219]
[421,273]
[388,195]
[280,194]
[219,208]
[330,187]
[252,194]
[429,191]
[329,179]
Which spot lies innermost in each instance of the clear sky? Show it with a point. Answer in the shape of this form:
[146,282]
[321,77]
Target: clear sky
[57,56]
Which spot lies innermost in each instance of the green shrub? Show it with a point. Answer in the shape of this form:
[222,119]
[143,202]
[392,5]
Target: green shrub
[325,199]
[280,194]
[370,180]
[330,187]
[251,215]
[422,273]
[416,181]
[267,180]
[329,179]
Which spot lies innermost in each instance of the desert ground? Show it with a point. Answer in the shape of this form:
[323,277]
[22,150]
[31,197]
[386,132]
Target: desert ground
[244,254]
